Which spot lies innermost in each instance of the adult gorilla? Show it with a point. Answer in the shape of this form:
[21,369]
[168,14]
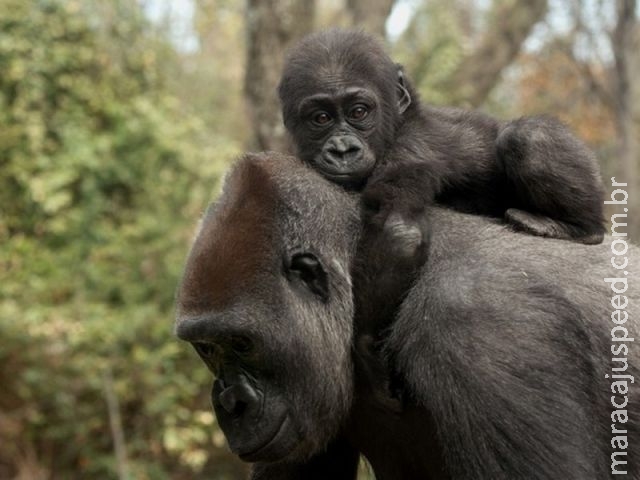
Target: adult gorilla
[501,347]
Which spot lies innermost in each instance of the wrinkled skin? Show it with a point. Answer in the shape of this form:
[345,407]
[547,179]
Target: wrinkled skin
[502,344]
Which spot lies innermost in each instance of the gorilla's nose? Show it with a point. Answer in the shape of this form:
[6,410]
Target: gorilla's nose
[342,149]
[236,398]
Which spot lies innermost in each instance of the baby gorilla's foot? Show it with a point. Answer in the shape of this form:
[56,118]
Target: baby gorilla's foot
[548,227]
[405,237]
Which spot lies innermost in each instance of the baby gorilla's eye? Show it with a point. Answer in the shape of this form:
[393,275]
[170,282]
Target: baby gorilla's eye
[321,118]
[358,112]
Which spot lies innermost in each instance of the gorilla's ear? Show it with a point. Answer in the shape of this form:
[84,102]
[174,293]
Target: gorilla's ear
[404,98]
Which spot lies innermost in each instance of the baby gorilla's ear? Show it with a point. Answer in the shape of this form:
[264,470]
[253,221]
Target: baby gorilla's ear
[404,98]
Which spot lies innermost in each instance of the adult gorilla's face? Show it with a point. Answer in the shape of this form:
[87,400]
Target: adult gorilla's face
[266,302]
[342,98]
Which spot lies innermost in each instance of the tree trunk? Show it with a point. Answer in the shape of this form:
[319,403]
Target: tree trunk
[273,25]
[622,44]
[371,15]
[115,422]
[480,72]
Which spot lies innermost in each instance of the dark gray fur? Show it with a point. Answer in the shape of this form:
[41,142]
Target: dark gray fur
[405,154]
[501,345]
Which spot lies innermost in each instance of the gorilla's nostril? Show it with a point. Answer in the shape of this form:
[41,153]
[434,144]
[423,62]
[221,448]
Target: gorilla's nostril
[229,401]
[343,152]
[239,408]
[236,399]
[352,150]
[334,153]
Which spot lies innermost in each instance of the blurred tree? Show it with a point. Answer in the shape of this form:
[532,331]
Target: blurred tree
[509,24]
[550,82]
[112,139]
[433,45]
[456,50]
[102,177]
[370,15]
[622,40]
[272,26]
[585,75]
[209,80]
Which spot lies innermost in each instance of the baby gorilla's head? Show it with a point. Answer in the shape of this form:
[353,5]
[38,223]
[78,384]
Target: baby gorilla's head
[342,99]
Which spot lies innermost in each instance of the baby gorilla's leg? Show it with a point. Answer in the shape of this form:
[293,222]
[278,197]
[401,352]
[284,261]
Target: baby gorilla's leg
[543,226]
[554,178]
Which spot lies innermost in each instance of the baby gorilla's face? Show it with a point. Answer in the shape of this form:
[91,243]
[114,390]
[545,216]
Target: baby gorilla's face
[334,130]
[342,100]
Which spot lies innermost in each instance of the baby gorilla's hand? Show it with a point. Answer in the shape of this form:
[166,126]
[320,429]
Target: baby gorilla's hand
[399,224]
[405,237]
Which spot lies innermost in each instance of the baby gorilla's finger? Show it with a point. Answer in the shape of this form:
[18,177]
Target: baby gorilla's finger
[405,236]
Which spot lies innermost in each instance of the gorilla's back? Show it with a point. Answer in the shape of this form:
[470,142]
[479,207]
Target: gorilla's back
[475,249]
[509,342]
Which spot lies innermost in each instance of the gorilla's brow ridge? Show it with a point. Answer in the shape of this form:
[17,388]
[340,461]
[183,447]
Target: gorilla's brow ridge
[225,257]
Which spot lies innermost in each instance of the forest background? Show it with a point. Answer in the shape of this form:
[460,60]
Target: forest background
[117,120]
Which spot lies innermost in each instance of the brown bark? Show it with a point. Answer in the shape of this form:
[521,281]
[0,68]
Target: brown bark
[511,24]
[622,44]
[371,15]
[115,422]
[273,25]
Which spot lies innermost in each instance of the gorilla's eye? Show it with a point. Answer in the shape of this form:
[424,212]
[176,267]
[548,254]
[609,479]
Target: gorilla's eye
[306,268]
[208,351]
[321,118]
[358,112]
[241,345]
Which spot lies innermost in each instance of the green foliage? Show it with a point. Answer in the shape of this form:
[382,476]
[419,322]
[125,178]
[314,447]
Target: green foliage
[432,47]
[102,176]
[111,144]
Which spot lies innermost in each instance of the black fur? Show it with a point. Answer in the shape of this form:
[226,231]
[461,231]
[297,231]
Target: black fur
[405,155]
[501,345]
[410,154]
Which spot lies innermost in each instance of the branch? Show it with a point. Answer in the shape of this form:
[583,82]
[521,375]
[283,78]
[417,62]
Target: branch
[272,26]
[115,422]
[481,70]
[370,14]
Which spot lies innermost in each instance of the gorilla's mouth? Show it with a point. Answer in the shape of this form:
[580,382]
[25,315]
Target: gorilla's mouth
[275,447]
[347,180]
[352,175]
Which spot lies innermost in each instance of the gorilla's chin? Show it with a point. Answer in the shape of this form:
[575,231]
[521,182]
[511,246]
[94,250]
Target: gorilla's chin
[271,446]
[256,421]
[354,175]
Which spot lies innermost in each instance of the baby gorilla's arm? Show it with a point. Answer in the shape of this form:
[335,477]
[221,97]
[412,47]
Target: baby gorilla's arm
[395,204]
[390,257]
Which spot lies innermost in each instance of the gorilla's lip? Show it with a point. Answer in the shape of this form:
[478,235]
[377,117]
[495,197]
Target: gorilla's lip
[348,179]
[270,446]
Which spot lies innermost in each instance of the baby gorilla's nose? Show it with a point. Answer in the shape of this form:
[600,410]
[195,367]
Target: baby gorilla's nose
[342,149]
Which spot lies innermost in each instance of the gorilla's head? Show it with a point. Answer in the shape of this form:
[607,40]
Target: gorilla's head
[342,99]
[266,302]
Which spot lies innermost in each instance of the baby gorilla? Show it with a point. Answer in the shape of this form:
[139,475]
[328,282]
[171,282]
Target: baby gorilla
[355,117]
